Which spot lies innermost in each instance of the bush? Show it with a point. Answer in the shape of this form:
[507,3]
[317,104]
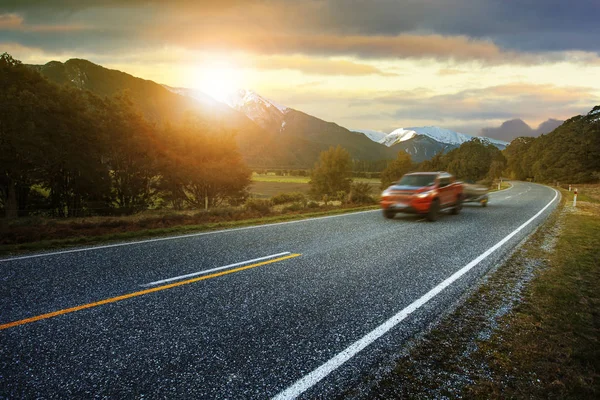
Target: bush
[342,196]
[263,207]
[221,212]
[294,207]
[360,193]
[312,204]
[282,198]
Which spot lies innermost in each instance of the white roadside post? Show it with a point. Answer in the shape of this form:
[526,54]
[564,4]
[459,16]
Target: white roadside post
[575,198]
[499,183]
[569,188]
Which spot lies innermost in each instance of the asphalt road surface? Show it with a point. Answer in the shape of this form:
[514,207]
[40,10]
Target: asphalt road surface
[306,309]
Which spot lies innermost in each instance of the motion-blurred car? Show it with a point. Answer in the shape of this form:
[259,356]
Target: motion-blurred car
[474,193]
[424,193]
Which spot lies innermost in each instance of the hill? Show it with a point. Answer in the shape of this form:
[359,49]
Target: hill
[287,138]
[568,154]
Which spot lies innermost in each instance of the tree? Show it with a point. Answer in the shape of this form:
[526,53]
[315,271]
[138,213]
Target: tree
[131,155]
[517,163]
[472,160]
[332,173]
[20,145]
[395,169]
[202,169]
[48,137]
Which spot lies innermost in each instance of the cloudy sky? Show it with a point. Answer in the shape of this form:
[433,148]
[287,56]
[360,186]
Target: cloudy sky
[370,64]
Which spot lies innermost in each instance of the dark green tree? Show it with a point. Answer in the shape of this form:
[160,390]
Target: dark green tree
[203,169]
[517,162]
[132,143]
[332,173]
[395,169]
[472,160]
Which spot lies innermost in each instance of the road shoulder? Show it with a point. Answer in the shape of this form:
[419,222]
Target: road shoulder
[508,337]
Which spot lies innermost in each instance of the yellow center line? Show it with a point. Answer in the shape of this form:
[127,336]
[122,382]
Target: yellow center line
[139,293]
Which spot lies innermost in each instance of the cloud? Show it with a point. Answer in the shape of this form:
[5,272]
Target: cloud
[502,102]
[10,21]
[317,66]
[450,71]
[14,22]
[488,31]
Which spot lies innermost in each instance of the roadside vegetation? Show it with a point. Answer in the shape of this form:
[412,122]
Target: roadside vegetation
[530,331]
[33,234]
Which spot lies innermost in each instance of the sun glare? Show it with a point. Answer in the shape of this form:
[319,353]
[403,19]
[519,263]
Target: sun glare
[219,81]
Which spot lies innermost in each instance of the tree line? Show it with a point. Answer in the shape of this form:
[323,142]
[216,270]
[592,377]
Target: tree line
[475,160]
[569,154]
[67,153]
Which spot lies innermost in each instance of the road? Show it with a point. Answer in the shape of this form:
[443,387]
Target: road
[334,299]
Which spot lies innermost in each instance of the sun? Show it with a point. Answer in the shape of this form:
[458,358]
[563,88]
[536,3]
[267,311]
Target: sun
[219,81]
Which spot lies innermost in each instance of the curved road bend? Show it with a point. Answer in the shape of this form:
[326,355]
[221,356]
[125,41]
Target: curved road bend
[295,309]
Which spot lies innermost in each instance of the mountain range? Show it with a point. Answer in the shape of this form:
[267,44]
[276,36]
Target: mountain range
[268,134]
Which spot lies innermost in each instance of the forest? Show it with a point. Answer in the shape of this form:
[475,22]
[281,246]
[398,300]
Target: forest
[68,153]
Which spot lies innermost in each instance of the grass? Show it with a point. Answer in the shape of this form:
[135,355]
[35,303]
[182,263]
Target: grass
[550,347]
[530,330]
[266,186]
[265,189]
[301,179]
[100,230]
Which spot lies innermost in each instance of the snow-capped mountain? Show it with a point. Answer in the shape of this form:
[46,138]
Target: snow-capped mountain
[441,135]
[376,136]
[266,113]
[425,141]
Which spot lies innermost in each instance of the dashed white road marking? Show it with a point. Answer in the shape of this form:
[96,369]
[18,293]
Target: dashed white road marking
[177,278]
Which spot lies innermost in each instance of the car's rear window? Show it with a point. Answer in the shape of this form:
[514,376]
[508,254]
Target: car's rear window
[417,180]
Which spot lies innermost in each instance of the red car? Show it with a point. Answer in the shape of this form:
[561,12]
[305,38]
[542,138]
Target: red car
[424,193]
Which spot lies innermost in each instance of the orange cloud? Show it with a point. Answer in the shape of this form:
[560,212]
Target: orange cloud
[317,66]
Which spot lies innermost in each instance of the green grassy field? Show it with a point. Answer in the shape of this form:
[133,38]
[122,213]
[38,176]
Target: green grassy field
[266,186]
[300,179]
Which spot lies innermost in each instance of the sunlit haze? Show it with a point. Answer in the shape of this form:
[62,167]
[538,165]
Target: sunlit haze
[218,80]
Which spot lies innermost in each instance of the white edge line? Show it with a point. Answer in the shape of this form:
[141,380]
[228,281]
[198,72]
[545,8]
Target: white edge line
[309,380]
[181,236]
[503,190]
[176,278]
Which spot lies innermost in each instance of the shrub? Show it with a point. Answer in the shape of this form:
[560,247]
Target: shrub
[282,198]
[220,212]
[263,207]
[342,196]
[294,207]
[360,193]
[312,204]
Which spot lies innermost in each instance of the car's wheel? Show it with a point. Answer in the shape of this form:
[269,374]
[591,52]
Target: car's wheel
[434,211]
[457,207]
[389,214]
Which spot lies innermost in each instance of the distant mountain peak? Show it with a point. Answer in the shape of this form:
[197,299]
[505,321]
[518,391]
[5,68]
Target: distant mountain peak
[423,142]
[514,128]
[241,97]
[441,135]
[266,113]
